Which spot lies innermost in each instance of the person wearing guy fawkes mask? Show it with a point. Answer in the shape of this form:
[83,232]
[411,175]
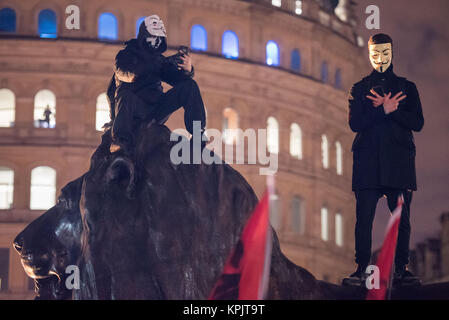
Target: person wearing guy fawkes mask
[384,109]
[135,91]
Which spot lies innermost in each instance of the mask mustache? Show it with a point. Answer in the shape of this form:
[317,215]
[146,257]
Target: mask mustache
[154,42]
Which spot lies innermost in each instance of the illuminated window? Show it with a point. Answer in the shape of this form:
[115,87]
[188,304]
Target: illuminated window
[295,60]
[6,187]
[7,108]
[296,141]
[107,26]
[298,7]
[275,218]
[272,135]
[324,72]
[338,82]
[339,158]
[198,38]
[138,23]
[7,20]
[43,188]
[324,151]
[45,109]
[360,41]
[298,215]
[4,269]
[272,53]
[276,3]
[339,229]
[230,45]
[324,224]
[47,25]
[102,115]
[230,125]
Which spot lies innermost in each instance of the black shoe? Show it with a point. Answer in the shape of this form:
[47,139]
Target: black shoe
[203,139]
[357,278]
[403,277]
[121,147]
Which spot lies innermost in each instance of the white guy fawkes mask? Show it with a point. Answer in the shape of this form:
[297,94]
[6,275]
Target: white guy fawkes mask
[380,56]
[155,26]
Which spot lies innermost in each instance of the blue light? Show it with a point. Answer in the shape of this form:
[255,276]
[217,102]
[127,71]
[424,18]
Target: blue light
[338,82]
[47,24]
[296,60]
[230,45]
[7,20]
[138,23]
[198,38]
[272,53]
[107,27]
[324,72]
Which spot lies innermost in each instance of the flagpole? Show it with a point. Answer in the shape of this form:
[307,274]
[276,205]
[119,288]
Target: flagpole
[390,287]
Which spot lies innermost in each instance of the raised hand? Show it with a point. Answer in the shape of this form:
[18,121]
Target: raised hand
[377,99]
[391,103]
[186,63]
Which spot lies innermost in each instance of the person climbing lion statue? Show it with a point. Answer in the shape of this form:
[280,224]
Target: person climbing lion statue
[135,92]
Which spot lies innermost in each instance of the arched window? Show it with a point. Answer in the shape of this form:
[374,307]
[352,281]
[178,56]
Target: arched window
[6,187]
[198,38]
[43,188]
[102,114]
[298,215]
[272,49]
[338,83]
[339,229]
[295,64]
[272,135]
[324,151]
[230,45]
[276,3]
[4,269]
[138,23]
[339,157]
[47,24]
[275,218]
[230,125]
[7,108]
[44,109]
[7,20]
[107,26]
[324,224]
[296,141]
[324,72]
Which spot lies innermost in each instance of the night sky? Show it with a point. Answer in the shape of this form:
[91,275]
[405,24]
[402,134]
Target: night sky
[420,32]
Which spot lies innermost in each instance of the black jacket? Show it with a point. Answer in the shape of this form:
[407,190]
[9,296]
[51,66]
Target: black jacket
[384,149]
[141,71]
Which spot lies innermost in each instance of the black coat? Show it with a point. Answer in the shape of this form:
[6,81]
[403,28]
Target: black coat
[384,149]
[141,71]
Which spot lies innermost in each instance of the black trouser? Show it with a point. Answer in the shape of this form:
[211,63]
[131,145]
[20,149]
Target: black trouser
[365,210]
[130,109]
[184,94]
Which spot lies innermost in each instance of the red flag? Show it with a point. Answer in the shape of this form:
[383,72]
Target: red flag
[246,273]
[386,256]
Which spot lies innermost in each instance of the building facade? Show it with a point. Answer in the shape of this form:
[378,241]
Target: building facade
[281,65]
[430,258]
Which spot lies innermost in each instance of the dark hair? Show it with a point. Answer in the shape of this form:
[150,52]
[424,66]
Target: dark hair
[380,38]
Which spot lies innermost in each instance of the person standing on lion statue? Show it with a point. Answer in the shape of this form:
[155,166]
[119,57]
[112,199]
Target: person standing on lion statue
[384,109]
